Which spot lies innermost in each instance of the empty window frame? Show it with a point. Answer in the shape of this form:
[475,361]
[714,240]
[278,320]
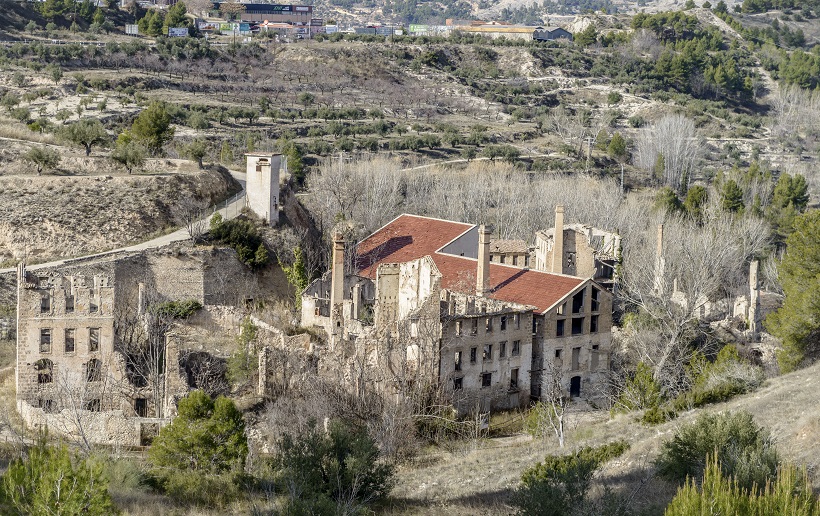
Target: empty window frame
[93,304]
[93,339]
[516,348]
[562,309]
[489,324]
[558,353]
[69,340]
[595,303]
[514,378]
[48,406]
[486,379]
[45,303]
[517,321]
[577,325]
[576,359]
[473,354]
[93,405]
[45,340]
[458,384]
[488,352]
[69,304]
[93,370]
[578,302]
[141,407]
[503,323]
[457,361]
[458,327]
[474,329]
[45,371]
[559,327]
[593,324]
[502,349]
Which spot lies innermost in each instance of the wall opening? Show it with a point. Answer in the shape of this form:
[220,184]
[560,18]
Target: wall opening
[575,387]
[45,371]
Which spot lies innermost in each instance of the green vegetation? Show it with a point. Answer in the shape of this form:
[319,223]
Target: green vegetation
[128,153]
[559,485]
[242,236]
[245,360]
[788,494]
[43,158]
[325,472]
[748,451]
[297,275]
[177,309]
[86,132]
[50,481]
[152,127]
[200,457]
[797,322]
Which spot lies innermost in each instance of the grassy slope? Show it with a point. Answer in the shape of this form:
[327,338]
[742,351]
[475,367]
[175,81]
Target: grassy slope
[480,478]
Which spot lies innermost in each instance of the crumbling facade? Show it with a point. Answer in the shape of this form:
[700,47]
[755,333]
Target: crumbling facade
[92,362]
[490,334]
[578,250]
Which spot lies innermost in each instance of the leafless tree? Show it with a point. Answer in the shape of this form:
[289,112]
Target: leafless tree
[673,142]
[192,214]
[550,415]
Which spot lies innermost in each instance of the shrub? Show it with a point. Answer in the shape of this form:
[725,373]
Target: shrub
[241,235]
[177,309]
[48,481]
[200,456]
[559,485]
[640,392]
[788,494]
[747,449]
[322,471]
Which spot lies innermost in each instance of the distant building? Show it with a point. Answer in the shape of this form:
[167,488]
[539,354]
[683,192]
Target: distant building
[511,252]
[274,13]
[263,185]
[551,34]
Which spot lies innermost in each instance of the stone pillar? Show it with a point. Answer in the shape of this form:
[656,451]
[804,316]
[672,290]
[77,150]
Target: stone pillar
[558,241]
[337,270]
[482,286]
[659,262]
[754,293]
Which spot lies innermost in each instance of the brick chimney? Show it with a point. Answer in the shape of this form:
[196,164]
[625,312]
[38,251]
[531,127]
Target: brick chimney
[558,241]
[482,284]
[337,270]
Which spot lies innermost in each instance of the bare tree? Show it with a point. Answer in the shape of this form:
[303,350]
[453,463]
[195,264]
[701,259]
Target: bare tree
[193,216]
[550,415]
[671,150]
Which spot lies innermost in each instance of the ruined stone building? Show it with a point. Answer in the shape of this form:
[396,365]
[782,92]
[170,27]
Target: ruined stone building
[90,362]
[422,295]
[262,185]
[578,250]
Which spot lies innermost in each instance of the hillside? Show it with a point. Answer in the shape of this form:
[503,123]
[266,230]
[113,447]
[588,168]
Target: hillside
[479,477]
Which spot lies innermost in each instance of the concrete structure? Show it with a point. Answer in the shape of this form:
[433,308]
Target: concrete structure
[551,34]
[85,368]
[263,185]
[275,13]
[489,333]
[578,250]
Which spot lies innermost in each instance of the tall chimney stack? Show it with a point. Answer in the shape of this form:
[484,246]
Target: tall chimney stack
[338,270]
[754,295]
[558,241]
[482,286]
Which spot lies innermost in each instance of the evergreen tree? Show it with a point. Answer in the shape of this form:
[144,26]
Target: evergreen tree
[732,197]
[48,481]
[153,128]
[297,275]
[696,198]
[797,322]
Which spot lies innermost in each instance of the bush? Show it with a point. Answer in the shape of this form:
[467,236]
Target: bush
[559,485]
[640,392]
[48,481]
[747,449]
[200,456]
[177,309]
[789,494]
[323,472]
[241,235]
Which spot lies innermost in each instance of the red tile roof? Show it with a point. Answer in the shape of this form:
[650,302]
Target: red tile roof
[409,237]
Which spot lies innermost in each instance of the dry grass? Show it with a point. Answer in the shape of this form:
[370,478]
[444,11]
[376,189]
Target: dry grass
[17,131]
[479,477]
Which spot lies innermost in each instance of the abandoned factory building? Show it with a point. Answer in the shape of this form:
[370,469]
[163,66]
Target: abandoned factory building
[421,295]
[90,365]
